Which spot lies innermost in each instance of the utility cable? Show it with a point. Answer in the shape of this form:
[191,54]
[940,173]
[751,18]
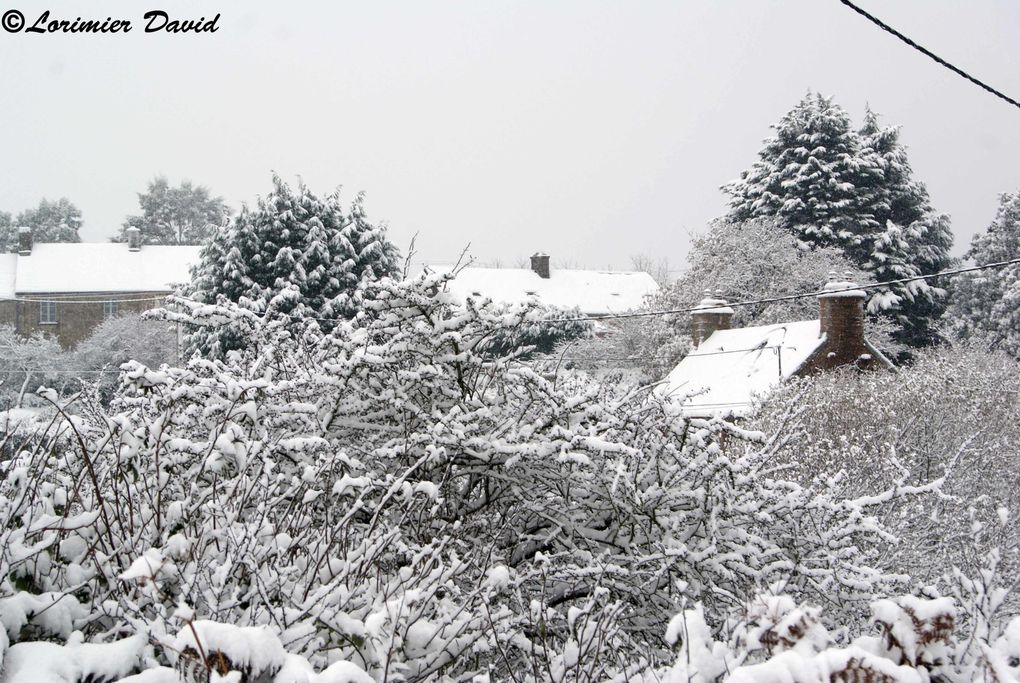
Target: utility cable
[958,71]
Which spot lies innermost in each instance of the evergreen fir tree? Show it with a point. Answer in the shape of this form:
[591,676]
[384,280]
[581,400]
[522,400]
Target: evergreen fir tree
[295,254]
[806,176]
[911,239]
[8,235]
[987,302]
[833,186]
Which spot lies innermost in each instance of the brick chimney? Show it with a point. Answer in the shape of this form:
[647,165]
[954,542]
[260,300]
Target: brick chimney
[710,315]
[24,240]
[134,239]
[841,318]
[540,264]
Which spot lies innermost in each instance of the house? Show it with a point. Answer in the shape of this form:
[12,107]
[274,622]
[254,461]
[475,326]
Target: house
[729,368]
[593,292]
[67,289]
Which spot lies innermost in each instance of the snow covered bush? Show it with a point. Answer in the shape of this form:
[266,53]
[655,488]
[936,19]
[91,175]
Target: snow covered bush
[541,331]
[905,639]
[393,494]
[122,338]
[26,363]
[117,340]
[950,416]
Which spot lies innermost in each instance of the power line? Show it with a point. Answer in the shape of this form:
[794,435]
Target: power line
[617,316]
[39,371]
[735,304]
[788,297]
[960,72]
[73,299]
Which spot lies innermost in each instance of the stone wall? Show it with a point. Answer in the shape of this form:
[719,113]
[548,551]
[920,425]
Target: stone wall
[75,320]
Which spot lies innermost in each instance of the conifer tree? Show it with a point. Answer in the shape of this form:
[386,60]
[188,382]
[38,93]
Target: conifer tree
[294,254]
[806,176]
[8,235]
[987,302]
[832,186]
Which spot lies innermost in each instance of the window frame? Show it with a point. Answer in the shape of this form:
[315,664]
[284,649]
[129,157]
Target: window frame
[48,313]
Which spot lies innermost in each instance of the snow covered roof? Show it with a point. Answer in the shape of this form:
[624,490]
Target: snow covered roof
[101,267]
[8,266]
[730,368]
[594,292]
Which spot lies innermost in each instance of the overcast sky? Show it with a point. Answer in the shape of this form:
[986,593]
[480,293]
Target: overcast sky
[590,130]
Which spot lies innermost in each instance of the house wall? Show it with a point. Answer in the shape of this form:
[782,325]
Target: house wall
[7,312]
[75,321]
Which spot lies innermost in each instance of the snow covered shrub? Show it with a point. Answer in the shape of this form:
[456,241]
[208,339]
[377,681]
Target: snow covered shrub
[119,339]
[626,349]
[127,337]
[394,495]
[541,331]
[950,417]
[26,363]
[906,639]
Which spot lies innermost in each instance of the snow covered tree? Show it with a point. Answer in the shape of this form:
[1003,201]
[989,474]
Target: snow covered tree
[987,303]
[294,255]
[737,261]
[186,214]
[118,340]
[8,234]
[911,239]
[833,186]
[57,221]
[807,176]
[541,333]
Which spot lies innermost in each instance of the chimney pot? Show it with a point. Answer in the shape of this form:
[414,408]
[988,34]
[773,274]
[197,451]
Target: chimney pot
[540,264]
[710,315]
[134,239]
[24,240]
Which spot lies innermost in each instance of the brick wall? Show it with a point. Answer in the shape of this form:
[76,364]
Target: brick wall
[704,324]
[75,321]
[842,322]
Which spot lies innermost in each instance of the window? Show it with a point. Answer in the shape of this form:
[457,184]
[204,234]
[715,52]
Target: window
[110,309]
[47,312]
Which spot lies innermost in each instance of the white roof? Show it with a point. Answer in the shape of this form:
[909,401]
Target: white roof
[730,368]
[8,265]
[594,292]
[103,267]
